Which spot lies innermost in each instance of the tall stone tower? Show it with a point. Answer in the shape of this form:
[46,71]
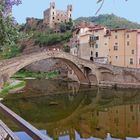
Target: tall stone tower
[69,12]
[52,14]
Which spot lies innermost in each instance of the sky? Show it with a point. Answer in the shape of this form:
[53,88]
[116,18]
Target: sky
[34,8]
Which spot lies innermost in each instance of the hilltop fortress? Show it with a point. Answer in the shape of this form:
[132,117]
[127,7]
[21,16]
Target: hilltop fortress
[52,16]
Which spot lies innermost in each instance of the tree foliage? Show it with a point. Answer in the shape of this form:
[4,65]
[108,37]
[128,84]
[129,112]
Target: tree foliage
[9,34]
[111,21]
[66,26]
[45,39]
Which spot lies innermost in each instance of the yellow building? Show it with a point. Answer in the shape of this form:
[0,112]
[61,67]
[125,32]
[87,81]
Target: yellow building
[117,47]
[131,49]
[123,48]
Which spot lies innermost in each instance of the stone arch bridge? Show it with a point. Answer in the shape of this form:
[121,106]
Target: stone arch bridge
[86,71]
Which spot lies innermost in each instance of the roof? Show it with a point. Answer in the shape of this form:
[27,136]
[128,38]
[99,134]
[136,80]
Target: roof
[118,29]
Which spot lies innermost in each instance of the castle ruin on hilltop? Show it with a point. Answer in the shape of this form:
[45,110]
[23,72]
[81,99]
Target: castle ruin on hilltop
[52,16]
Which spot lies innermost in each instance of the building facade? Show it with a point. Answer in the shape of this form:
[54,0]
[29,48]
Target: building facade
[91,43]
[123,48]
[119,47]
[52,16]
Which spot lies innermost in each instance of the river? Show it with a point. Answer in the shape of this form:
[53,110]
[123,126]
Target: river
[68,111]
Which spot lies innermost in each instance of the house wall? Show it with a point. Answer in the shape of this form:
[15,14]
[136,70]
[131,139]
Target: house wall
[116,57]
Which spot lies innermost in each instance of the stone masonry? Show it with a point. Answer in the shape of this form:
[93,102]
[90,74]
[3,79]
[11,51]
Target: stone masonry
[52,16]
[86,71]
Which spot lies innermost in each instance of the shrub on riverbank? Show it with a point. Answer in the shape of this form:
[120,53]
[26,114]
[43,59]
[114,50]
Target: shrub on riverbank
[22,74]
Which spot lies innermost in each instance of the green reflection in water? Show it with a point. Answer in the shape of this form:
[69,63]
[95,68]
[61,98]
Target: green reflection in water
[62,108]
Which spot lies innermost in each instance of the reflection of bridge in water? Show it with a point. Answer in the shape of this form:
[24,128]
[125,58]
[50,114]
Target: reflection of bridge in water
[119,117]
[91,114]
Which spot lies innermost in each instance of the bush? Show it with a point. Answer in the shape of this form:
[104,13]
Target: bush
[51,39]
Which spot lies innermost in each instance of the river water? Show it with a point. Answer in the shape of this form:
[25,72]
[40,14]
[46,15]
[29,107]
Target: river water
[68,111]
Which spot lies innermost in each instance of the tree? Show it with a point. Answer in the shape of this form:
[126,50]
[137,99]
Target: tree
[9,34]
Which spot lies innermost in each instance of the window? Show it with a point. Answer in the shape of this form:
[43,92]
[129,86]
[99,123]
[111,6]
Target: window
[53,13]
[128,43]
[131,61]
[91,38]
[91,58]
[58,19]
[53,18]
[116,36]
[70,15]
[116,43]
[127,36]
[97,38]
[91,53]
[116,57]
[96,45]
[133,52]
[115,48]
[96,54]
[131,108]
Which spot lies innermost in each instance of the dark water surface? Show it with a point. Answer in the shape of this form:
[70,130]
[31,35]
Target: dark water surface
[67,111]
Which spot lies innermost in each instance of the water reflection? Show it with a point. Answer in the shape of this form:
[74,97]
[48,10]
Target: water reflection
[70,111]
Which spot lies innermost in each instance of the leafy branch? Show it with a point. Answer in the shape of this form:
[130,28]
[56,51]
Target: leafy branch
[102,3]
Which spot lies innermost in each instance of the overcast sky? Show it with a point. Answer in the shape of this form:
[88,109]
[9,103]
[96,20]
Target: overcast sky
[35,8]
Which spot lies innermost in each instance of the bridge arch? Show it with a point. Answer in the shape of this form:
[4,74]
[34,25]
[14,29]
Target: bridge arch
[21,62]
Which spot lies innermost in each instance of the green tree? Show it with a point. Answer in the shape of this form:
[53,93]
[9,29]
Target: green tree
[9,34]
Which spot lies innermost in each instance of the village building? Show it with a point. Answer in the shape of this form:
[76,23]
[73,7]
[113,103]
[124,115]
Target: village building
[52,16]
[91,43]
[119,47]
[124,47]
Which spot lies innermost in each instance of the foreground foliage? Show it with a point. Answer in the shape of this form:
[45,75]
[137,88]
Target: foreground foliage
[9,34]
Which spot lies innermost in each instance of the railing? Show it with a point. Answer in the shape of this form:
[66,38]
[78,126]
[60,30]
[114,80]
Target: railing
[27,127]
[6,133]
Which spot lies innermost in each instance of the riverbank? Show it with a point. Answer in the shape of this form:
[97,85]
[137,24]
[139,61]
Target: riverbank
[12,87]
[26,74]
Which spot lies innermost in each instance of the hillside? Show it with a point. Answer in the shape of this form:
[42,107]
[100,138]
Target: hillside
[111,21]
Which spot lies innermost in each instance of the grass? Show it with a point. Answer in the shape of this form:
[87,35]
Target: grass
[7,87]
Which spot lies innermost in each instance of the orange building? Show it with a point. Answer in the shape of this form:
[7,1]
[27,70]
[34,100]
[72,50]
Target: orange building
[123,48]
